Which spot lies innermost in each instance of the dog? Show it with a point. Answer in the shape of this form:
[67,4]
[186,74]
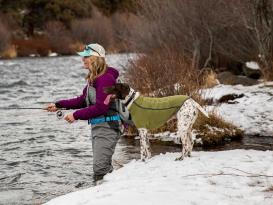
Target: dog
[151,113]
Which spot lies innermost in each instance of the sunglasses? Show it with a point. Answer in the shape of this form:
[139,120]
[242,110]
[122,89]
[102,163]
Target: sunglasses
[87,48]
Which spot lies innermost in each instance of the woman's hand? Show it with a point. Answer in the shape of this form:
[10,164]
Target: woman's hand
[69,118]
[51,107]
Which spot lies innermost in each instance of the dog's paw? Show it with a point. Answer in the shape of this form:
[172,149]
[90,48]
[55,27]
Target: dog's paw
[179,158]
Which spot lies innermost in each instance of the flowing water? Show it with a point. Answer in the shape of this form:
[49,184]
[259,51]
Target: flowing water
[42,157]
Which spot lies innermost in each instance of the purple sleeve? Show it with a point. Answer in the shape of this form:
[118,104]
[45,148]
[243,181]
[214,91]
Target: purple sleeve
[74,103]
[99,108]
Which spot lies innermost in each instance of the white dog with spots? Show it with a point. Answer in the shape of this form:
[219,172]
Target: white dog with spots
[146,113]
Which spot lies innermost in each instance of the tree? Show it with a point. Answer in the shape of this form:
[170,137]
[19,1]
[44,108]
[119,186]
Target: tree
[109,7]
[39,12]
[4,36]
[263,27]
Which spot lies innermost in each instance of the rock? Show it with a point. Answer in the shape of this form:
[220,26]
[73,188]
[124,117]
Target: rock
[229,98]
[228,78]
[252,70]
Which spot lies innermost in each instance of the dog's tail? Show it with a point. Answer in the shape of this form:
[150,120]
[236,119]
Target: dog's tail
[200,108]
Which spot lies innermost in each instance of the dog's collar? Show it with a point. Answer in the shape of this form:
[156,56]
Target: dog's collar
[130,98]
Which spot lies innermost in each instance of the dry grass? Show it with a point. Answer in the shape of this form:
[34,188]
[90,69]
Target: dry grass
[208,78]
[10,52]
[269,189]
[215,130]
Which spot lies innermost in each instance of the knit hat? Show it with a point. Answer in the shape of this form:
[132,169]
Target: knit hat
[93,49]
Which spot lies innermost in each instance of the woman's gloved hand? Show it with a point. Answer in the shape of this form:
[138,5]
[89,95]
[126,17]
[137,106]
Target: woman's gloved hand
[69,118]
[51,107]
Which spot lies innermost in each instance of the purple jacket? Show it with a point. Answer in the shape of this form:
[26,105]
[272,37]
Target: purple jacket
[106,80]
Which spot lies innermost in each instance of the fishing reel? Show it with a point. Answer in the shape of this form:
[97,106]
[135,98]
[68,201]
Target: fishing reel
[60,114]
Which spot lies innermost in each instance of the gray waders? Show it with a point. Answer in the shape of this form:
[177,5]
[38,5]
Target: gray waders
[104,138]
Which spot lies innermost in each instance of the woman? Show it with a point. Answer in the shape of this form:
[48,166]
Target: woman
[105,131]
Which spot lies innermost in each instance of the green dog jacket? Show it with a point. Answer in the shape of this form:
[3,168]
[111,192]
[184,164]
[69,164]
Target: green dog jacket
[152,113]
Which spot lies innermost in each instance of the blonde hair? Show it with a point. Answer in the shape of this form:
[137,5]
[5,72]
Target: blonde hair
[96,68]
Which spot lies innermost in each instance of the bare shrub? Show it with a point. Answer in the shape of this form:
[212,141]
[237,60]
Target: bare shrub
[97,29]
[59,38]
[163,73]
[172,24]
[208,31]
[263,27]
[4,36]
[122,24]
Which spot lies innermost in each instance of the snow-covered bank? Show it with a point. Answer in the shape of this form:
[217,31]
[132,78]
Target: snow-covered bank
[227,177]
[253,113]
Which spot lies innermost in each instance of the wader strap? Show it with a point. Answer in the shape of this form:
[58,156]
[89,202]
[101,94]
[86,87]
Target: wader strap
[94,121]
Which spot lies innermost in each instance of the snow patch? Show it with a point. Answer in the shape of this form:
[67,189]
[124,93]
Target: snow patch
[253,113]
[253,65]
[226,177]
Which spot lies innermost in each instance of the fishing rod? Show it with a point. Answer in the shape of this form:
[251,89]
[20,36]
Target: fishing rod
[59,113]
[21,108]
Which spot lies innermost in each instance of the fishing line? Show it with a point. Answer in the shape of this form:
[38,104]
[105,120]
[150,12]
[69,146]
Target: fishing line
[21,108]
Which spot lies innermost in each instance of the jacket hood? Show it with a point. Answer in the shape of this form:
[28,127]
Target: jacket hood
[113,72]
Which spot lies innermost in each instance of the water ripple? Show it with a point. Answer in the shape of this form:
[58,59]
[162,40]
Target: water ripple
[19,83]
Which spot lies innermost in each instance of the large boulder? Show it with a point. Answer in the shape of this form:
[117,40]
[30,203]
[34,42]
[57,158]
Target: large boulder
[228,78]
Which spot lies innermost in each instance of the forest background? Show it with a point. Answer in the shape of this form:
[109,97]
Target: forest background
[208,33]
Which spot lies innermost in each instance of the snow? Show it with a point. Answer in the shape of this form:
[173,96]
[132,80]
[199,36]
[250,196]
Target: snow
[226,177]
[253,113]
[53,54]
[253,65]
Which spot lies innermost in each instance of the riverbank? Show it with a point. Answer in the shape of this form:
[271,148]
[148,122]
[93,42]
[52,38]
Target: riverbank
[226,177]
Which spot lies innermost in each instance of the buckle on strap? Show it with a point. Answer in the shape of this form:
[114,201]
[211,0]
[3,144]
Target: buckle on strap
[94,121]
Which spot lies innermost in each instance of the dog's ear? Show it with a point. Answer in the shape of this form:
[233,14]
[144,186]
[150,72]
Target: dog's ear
[126,88]
[119,86]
